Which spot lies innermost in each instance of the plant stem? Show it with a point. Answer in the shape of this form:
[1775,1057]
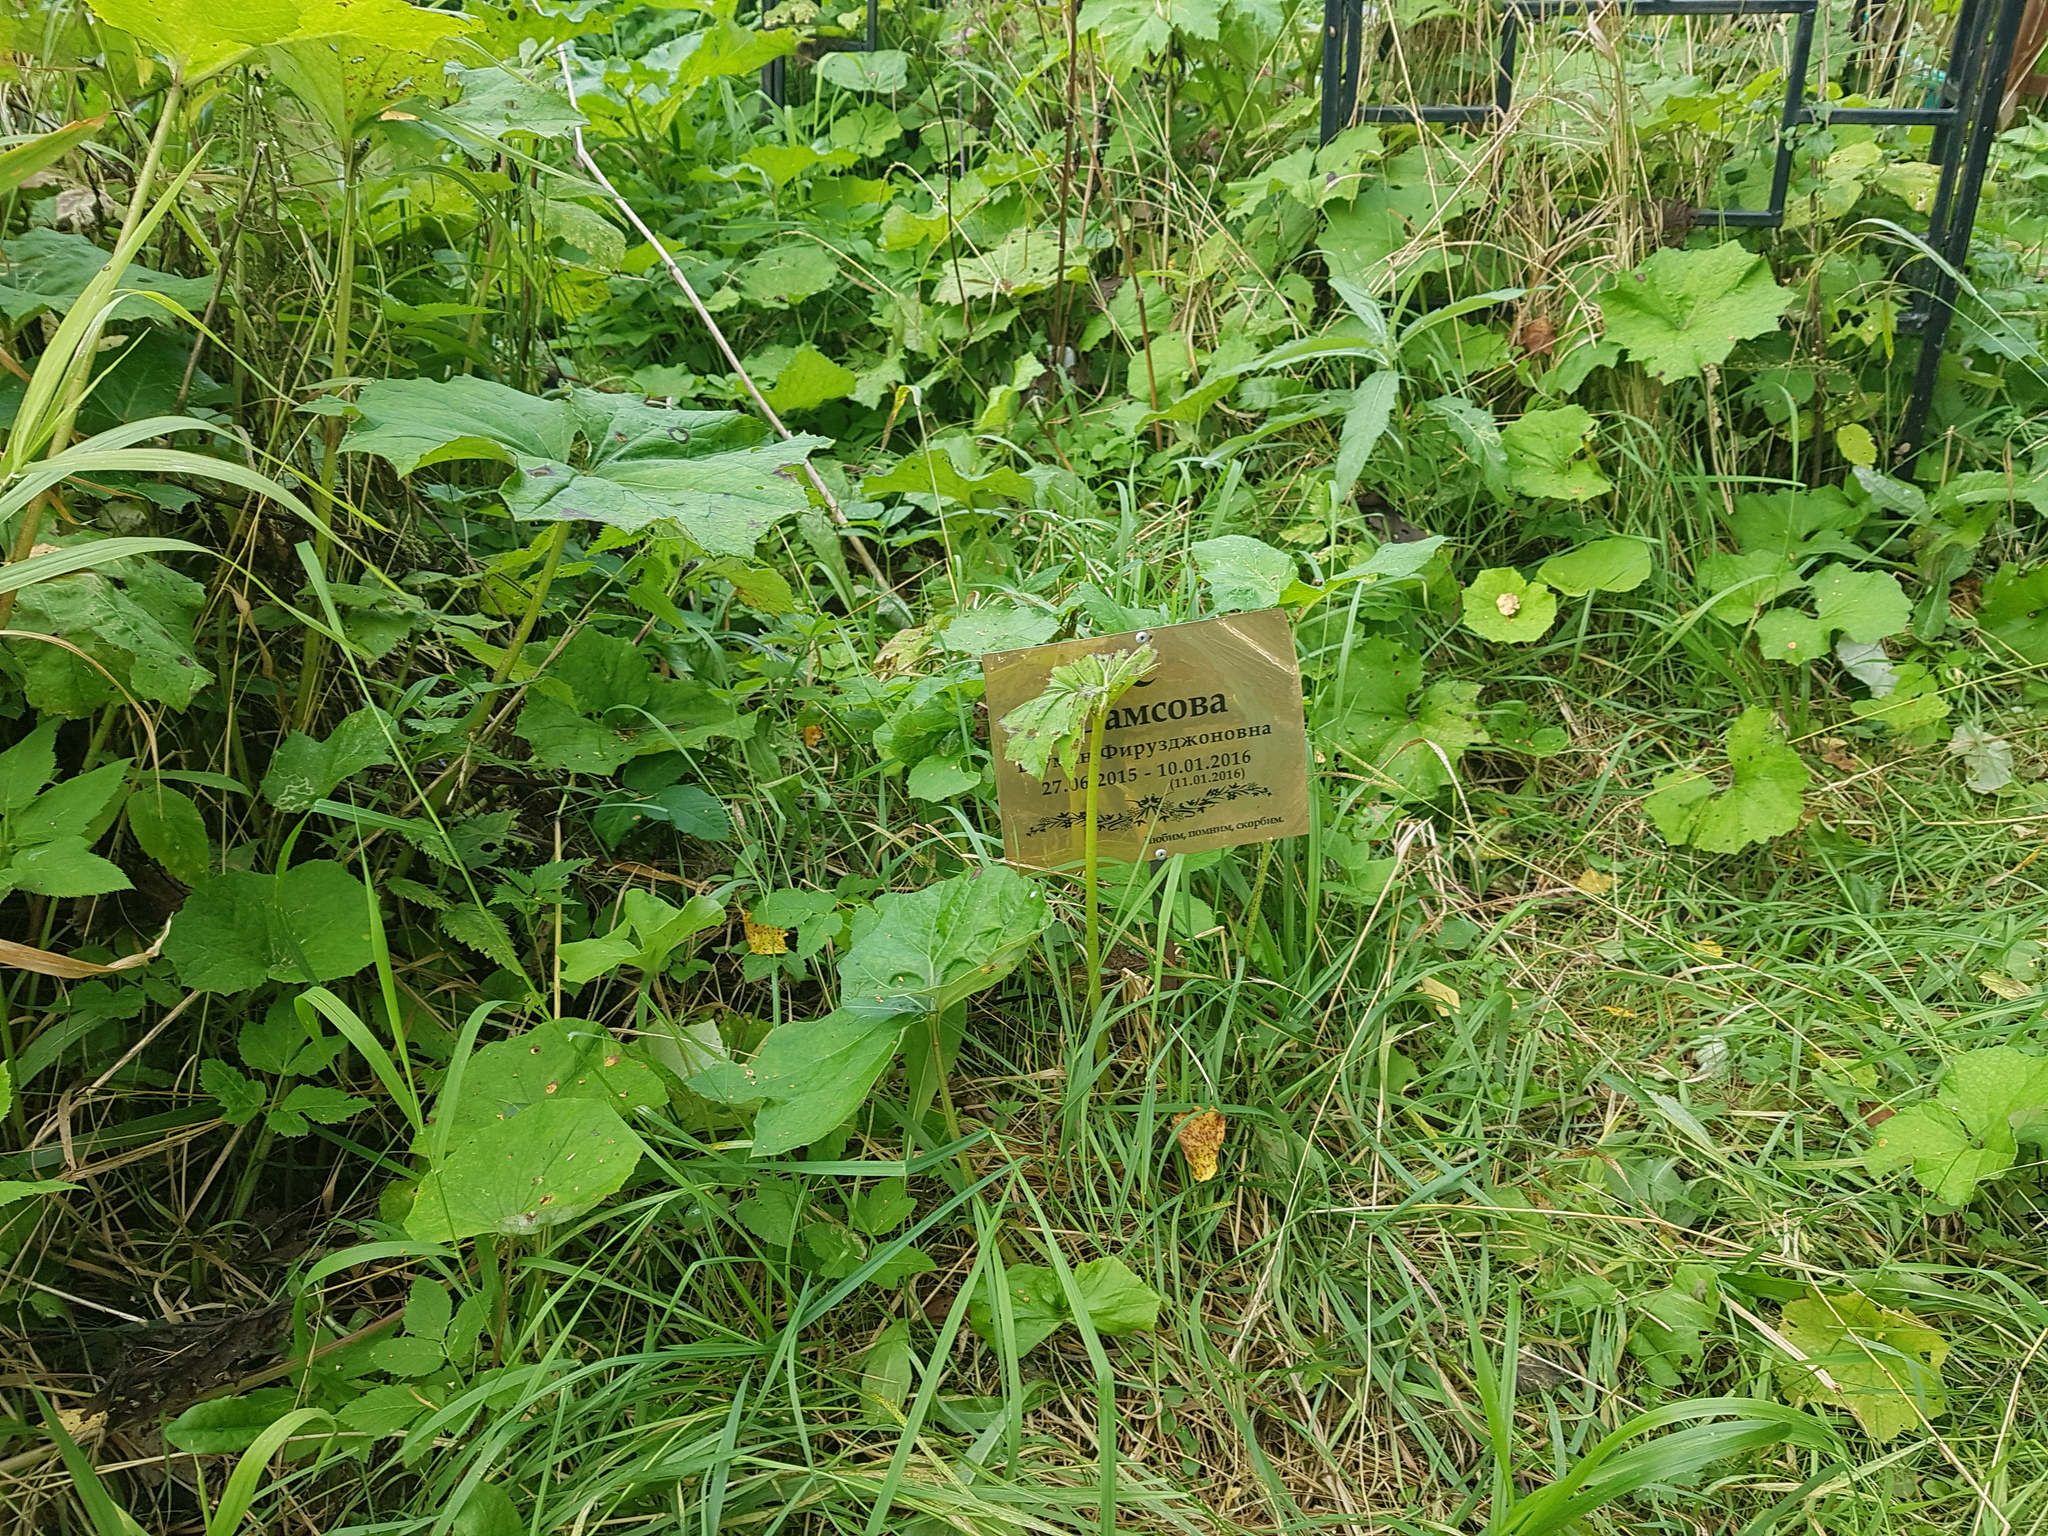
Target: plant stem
[1098,718]
[558,537]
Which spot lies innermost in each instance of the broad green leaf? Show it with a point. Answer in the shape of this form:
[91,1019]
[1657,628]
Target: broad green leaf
[725,502]
[45,271]
[1988,757]
[1885,1366]
[1736,586]
[886,69]
[64,866]
[489,1511]
[771,1212]
[134,619]
[237,930]
[1408,737]
[584,960]
[347,60]
[941,777]
[1546,454]
[813,1075]
[1864,605]
[1786,635]
[938,946]
[997,626]
[1605,565]
[1797,523]
[1668,1336]
[1763,799]
[198,38]
[810,378]
[229,1425]
[933,473]
[388,1410]
[172,831]
[1243,573]
[1683,311]
[1026,262]
[798,269]
[617,708]
[1365,423]
[12,1190]
[27,766]
[1967,1132]
[2015,612]
[557,1060]
[1502,605]
[497,100]
[305,770]
[556,1161]
[80,807]
[1116,1300]
[1131,33]
[415,423]
[880,1209]
[887,1372]
[1915,699]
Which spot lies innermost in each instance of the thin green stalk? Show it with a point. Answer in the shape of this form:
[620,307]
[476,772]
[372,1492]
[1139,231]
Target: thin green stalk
[1098,718]
[557,538]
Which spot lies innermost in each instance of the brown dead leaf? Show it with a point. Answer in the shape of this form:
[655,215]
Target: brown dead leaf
[1200,1135]
[903,649]
[813,735]
[764,940]
[1593,882]
[1834,751]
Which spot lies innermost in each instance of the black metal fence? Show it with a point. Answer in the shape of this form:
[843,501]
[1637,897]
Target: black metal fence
[1964,119]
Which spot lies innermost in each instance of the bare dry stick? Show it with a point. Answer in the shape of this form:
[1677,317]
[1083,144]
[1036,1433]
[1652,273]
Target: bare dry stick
[585,159]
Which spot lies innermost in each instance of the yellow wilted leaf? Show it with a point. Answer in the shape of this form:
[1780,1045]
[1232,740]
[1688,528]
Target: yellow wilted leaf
[1710,949]
[813,735]
[1593,882]
[1201,1137]
[763,940]
[1619,1013]
[1445,998]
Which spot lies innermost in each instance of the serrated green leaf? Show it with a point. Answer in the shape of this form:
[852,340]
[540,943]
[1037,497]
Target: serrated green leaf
[1379,713]
[479,928]
[241,1098]
[311,1104]
[1968,1132]
[2015,611]
[64,867]
[236,930]
[933,473]
[1915,700]
[1683,311]
[1762,801]
[1864,605]
[1055,724]
[1502,605]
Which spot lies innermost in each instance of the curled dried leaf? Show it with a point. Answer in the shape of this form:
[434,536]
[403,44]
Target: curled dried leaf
[1200,1135]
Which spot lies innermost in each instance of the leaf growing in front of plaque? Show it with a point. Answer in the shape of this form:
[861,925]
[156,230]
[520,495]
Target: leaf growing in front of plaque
[1058,720]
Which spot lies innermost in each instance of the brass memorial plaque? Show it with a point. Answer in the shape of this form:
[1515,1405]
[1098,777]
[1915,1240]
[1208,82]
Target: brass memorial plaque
[1209,750]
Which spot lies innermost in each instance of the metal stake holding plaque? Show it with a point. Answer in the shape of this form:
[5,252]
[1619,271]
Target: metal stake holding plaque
[1209,750]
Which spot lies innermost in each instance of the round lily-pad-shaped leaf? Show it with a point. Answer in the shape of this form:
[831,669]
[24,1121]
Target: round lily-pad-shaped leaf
[1503,605]
[1605,565]
[1785,634]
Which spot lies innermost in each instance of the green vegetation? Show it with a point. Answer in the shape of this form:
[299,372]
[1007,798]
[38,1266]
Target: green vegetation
[516,1020]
